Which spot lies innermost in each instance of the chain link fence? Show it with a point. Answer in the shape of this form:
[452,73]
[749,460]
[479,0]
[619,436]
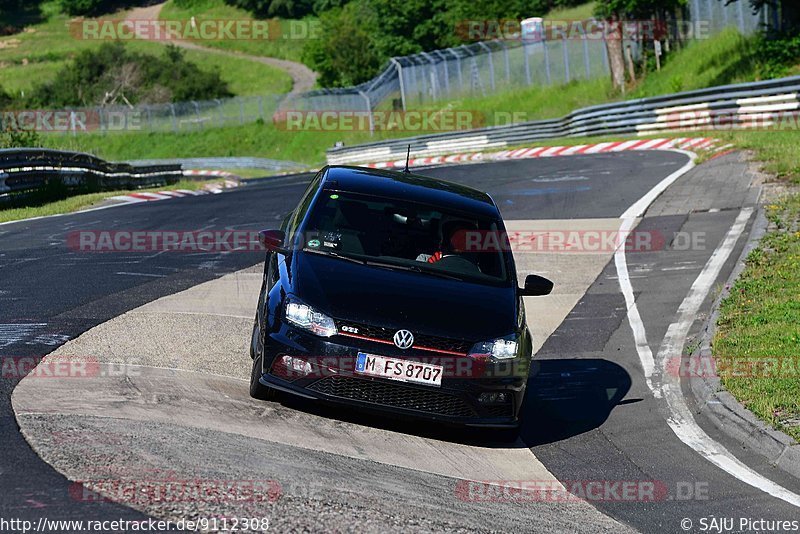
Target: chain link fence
[477,69]
[738,14]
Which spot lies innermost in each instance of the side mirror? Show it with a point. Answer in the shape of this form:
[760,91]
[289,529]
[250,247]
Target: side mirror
[536,286]
[272,240]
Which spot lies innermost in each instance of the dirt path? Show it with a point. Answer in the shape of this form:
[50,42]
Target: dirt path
[303,78]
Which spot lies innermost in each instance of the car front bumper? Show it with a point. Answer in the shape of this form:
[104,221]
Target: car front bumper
[323,369]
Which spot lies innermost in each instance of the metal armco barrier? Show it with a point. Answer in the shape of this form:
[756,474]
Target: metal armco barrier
[226,163]
[757,104]
[28,169]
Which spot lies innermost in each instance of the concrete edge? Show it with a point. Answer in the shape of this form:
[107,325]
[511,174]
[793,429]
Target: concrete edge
[718,405]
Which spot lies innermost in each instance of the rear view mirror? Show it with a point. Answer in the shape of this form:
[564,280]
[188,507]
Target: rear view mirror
[272,240]
[536,286]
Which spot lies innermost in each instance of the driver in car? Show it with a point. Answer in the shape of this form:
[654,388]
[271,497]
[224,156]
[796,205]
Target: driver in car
[452,233]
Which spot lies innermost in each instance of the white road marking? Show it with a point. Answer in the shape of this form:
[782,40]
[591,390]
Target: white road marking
[682,268]
[141,274]
[680,419]
[15,333]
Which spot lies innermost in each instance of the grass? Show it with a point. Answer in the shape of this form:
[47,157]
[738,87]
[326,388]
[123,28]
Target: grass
[580,12]
[533,103]
[779,151]
[253,139]
[284,44]
[85,201]
[37,54]
[760,322]
[723,59]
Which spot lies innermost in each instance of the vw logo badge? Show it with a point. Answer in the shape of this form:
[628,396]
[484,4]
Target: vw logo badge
[403,339]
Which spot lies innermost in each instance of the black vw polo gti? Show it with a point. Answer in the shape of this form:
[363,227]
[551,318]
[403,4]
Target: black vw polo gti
[394,292]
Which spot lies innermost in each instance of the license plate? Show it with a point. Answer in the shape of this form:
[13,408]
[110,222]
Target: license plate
[402,370]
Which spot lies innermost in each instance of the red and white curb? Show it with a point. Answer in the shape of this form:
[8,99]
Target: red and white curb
[682,143]
[230,182]
[221,174]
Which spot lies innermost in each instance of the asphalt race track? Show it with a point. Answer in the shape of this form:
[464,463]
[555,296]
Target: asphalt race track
[184,320]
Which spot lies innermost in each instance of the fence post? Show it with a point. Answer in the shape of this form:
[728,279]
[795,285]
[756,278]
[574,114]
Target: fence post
[566,58]
[434,74]
[740,13]
[197,114]
[219,112]
[458,67]
[469,52]
[527,62]
[547,62]
[491,63]
[586,62]
[174,119]
[507,61]
[399,69]
[369,112]
[414,75]
[241,112]
[725,16]
[446,71]
[103,125]
[260,107]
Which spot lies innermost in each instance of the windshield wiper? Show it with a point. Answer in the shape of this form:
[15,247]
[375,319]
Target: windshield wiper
[335,255]
[412,268]
[373,263]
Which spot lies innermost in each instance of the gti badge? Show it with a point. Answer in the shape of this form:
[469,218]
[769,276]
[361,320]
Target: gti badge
[403,339]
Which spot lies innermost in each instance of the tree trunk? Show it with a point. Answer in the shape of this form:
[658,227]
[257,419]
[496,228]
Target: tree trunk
[616,60]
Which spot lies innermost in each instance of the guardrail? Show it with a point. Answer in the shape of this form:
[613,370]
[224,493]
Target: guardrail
[25,170]
[724,107]
[226,163]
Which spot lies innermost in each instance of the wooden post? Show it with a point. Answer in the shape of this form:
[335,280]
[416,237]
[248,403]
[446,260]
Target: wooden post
[629,57]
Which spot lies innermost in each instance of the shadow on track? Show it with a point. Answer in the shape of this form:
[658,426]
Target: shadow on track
[565,398]
[569,397]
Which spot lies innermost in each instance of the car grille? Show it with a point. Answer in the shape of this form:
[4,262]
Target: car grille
[396,395]
[500,410]
[421,341]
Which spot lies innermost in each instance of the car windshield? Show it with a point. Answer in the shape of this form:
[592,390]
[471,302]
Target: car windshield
[405,235]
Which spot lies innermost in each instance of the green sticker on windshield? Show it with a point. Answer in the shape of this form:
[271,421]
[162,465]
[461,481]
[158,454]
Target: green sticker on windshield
[314,243]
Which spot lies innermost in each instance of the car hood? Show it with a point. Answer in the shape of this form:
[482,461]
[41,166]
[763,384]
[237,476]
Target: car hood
[402,299]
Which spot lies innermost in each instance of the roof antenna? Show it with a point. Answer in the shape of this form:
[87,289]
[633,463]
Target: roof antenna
[408,154]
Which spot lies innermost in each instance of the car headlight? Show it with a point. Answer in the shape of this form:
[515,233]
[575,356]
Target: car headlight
[504,348]
[307,318]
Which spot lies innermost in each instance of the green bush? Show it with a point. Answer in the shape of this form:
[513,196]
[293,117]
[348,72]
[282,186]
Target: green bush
[776,54]
[5,99]
[13,138]
[84,7]
[275,8]
[111,74]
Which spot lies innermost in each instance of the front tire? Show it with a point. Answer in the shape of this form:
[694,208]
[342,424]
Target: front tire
[257,389]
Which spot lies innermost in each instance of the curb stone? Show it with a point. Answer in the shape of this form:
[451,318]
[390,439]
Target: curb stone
[722,408]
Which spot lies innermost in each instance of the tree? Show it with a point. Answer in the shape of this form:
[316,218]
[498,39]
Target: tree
[344,54]
[615,11]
